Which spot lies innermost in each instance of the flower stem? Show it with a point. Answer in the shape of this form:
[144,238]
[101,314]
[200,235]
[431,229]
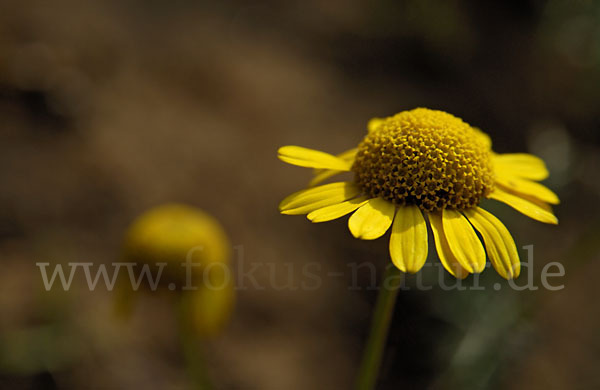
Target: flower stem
[192,349]
[384,309]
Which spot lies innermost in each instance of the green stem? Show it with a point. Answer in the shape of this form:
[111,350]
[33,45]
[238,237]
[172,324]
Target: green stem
[191,346]
[384,309]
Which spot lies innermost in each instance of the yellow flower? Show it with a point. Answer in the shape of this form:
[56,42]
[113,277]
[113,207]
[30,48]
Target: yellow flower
[421,165]
[194,252]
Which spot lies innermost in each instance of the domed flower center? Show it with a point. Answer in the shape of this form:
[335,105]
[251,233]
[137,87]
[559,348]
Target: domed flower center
[427,158]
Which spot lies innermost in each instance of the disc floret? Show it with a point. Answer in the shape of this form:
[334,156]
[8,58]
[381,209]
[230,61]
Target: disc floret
[427,158]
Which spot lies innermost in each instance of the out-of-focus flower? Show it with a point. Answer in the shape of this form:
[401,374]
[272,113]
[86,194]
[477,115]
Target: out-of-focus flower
[188,251]
[423,165]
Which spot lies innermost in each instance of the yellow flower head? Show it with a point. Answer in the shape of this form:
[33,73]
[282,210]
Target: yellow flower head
[171,233]
[427,158]
[175,234]
[423,165]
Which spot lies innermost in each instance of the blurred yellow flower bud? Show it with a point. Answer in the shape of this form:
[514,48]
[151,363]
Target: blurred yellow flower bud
[185,250]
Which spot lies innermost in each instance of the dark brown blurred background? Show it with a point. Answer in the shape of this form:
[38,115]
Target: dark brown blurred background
[109,108]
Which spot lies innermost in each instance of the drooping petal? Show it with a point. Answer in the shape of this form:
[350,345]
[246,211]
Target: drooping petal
[210,307]
[408,242]
[524,206]
[528,188]
[324,174]
[522,165]
[463,241]
[304,157]
[305,201]
[446,256]
[372,219]
[500,246]
[337,210]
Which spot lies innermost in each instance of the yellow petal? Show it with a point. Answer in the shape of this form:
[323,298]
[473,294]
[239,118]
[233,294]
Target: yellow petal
[372,219]
[527,187]
[446,256]
[524,206]
[374,123]
[304,157]
[500,246]
[211,306]
[543,205]
[408,242]
[337,210]
[323,174]
[522,165]
[348,155]
[305,201]
[463,241]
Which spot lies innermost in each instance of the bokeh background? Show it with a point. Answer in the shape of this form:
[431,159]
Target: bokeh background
[109,108]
